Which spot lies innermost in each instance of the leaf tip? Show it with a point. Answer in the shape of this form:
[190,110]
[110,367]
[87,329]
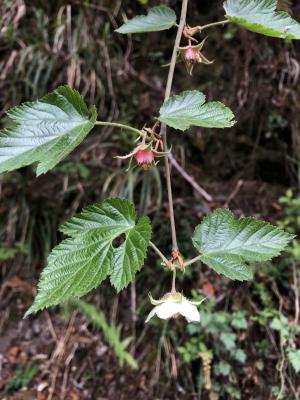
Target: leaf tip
[31,310]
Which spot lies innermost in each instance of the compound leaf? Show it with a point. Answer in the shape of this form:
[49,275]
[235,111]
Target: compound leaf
[158,18]
[229,245]
[189,109]
[260,16]
[45,131]
[91,254]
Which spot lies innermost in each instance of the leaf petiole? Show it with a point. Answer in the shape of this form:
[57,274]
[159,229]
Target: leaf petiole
[191,31]
[224,22]
[117,125]
[160,254]
[192,261]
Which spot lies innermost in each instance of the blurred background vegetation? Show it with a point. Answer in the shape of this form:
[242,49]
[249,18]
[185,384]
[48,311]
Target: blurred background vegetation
[247,346]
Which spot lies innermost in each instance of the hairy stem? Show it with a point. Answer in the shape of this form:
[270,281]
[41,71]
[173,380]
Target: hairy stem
[163,130]
[122,126]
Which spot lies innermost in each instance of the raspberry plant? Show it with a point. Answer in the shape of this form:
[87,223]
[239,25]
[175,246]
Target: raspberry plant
[45,131]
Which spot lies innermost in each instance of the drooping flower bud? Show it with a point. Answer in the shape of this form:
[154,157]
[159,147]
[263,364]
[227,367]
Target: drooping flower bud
[145,157]
[191,55]
[146,152]
[173,304]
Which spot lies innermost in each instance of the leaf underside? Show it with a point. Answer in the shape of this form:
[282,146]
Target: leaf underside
[189,109]
[158,18]
[45,131]
[260,16]
[80,263]
[229,245]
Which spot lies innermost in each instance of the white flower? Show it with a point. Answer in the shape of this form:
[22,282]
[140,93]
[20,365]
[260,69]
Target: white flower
[173,304]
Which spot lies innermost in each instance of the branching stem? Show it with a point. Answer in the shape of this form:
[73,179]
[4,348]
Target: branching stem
[116,125]
[163,130]
[167,262]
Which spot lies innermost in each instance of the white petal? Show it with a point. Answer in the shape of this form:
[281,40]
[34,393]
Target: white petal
[189,311]
[167,310]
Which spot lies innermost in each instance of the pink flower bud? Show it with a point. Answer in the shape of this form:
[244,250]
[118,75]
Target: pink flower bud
[145,158]
[190,55]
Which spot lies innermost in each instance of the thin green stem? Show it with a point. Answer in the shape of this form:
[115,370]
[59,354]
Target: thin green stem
[160,254]
[192,261]
[116,125]
[163,130]
[201,28]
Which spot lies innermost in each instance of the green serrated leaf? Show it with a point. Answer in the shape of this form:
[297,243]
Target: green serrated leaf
[260,16]
[45,131]
[158,19]
[228,245]
[80,263]
[188,109]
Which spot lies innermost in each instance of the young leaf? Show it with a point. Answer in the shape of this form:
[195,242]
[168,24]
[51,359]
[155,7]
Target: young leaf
[158,19]
[228,245]
[188,108]
[93,252]
[45,131]
[260,16]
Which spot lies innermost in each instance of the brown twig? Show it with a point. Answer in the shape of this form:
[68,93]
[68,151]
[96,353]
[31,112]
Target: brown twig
[190,179]
[51,327]
[234,192]
[58,354]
